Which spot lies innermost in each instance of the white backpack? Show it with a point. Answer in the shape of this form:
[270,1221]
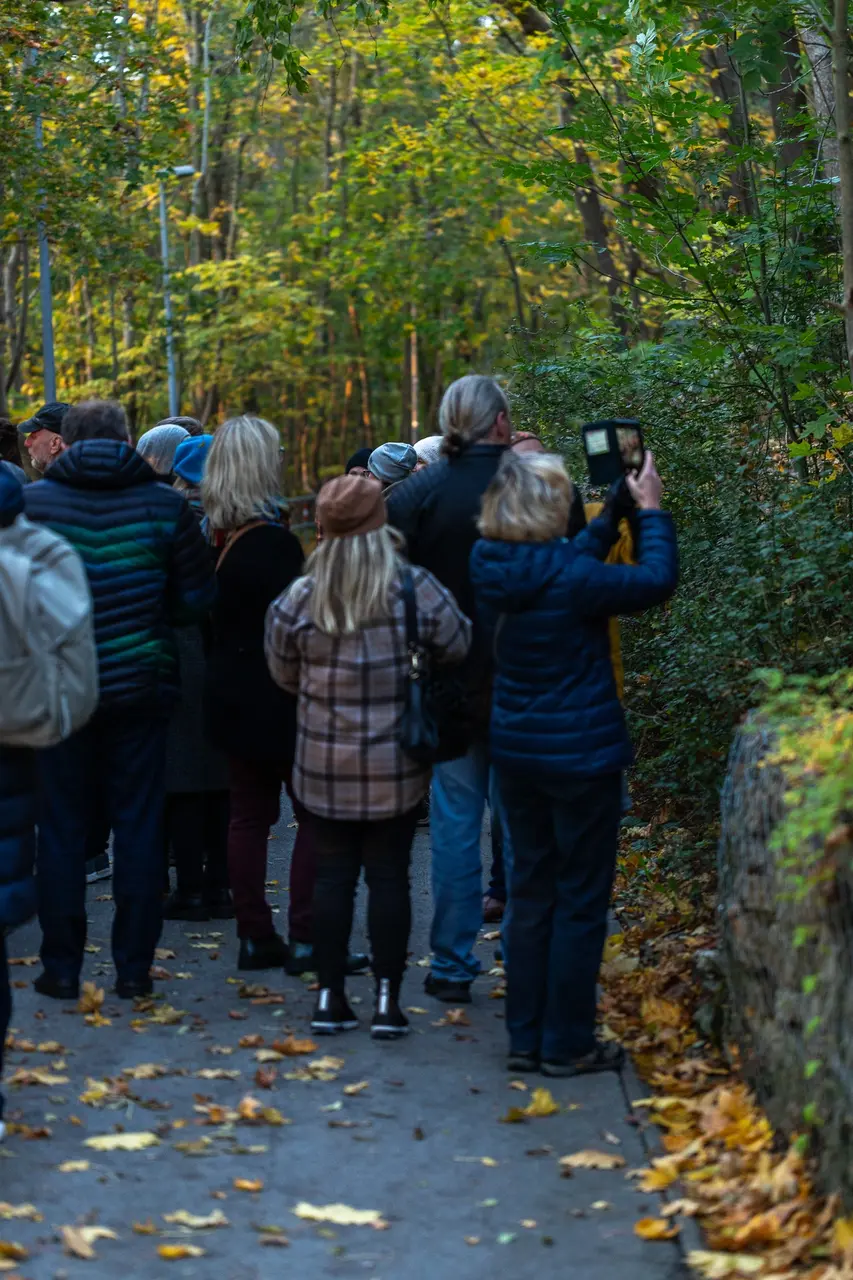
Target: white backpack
[48,660]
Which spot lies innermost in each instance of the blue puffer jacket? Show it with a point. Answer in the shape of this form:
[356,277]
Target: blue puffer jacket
[555,708]
[17,787]
[148,565]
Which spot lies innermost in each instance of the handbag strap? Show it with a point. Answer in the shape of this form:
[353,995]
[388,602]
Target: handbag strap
[413,644]
[234,536]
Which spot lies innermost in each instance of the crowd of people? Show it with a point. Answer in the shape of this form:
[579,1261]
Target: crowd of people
[223,668]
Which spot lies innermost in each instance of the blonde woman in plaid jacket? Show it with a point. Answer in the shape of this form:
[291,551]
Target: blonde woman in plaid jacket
[337,640]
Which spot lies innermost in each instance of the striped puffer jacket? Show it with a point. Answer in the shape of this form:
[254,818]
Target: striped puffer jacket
[148,565]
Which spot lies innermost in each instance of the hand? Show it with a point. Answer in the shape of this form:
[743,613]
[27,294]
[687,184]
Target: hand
[646,488]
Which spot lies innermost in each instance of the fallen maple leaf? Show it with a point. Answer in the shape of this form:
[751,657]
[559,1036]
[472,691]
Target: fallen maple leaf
[265,1077]
[351,1090]
[687,1208]
[196,1221]
[662,1013]
[74,1166]
[250,1042]
[78,1241]
[542,1104]
[173,1252]
[91,998]
[457,1018]
[590,1159]
[248,1184]
[342,1215]
[147,1228]
[12,1252]
[656,1229]
[217,1073]
[122,1141]
[145,1071]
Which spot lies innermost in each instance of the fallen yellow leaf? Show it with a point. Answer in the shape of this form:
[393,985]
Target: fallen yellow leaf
[352,1089]
[457,1018]
[340,1214]
[248,1184]
[36,1076]
[145,1071]
[173,1252]
[12,1251]
[590,1159]
[542,1104]
[719,1266]
[216,1073]
[196,1221]
[687,1208]
[74,1166]
[91,998]
[26,1211]
[656,1229]
[78,1241]
[122,1141]
[147,1228]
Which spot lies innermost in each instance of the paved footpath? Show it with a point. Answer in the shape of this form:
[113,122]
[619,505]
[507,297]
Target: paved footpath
[420,1142]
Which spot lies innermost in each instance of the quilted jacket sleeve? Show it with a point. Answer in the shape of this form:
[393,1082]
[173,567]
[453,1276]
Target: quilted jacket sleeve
[192,586]
[607,589]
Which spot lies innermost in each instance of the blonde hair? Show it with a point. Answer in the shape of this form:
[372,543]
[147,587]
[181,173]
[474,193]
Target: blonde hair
[528,500]
[469,409]
[242,474]
[352,580]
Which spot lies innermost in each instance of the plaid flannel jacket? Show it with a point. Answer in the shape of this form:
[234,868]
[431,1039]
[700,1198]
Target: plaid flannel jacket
[351,692]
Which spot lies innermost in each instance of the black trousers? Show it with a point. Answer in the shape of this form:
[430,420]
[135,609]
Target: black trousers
[565,835]
[196,824]
[383,847]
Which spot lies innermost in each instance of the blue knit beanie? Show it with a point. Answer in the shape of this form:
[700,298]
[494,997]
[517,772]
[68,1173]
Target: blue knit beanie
[190,457]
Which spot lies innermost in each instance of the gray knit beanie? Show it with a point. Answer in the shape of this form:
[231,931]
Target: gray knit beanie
[391,463]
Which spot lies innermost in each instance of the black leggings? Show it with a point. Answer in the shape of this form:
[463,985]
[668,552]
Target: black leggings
[383,847]
[196,825]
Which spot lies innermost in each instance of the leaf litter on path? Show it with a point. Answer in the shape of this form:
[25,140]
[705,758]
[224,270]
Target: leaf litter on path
[342,1215]
[78,1241]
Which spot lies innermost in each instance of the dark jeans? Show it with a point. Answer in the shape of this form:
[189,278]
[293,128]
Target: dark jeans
[564,835]
[5,1005]
[196,826]
[255,806]
[119,761]
[383,848]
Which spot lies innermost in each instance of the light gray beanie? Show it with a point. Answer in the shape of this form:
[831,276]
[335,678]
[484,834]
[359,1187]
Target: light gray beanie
[429,449]
[391,463]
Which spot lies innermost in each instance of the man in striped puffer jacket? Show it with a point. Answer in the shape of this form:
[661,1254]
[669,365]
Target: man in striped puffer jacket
[149,570]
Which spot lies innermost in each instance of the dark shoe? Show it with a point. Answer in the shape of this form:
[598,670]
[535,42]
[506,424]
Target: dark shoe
[449,992]
[58,988]
[301,960]
[522,1061]
[133,990]
[263,953]
[423,812]
[220,904]
[389,1022]
[493,910]
[604,1057]
[179,906]
[332,1014]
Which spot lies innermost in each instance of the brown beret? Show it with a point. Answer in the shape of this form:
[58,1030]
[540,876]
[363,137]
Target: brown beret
[350,505]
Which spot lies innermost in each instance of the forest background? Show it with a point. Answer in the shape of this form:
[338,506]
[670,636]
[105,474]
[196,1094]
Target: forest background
[632,212]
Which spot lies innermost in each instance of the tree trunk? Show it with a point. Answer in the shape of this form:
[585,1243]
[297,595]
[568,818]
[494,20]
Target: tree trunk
[787,101]
[414,383]
[364,383]
[819,55]
[841,77]
[19,341]
[89,317]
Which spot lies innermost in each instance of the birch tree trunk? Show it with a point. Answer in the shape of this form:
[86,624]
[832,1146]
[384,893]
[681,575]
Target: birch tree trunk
[841,79]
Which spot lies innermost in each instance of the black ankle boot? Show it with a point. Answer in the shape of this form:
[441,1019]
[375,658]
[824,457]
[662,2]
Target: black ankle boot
[389,1022]
[332,1014]
[262,953]
[185,906]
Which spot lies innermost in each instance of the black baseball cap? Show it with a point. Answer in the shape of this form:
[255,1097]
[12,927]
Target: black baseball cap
[48,418]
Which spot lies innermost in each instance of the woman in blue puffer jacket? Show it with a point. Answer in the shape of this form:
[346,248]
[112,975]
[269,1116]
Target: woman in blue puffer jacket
[17,817]
[558,738]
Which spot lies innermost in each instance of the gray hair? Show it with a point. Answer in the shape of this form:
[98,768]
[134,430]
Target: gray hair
[159,445]
[95,420]
[242,475]
[469,409]
[191,425]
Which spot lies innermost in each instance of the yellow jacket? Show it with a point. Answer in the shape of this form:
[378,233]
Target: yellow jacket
[622,552]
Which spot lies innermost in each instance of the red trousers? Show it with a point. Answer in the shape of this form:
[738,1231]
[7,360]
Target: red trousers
[255,806]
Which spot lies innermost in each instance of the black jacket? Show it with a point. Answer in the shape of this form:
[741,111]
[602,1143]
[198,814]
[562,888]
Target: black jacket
[437,511]
[247,714]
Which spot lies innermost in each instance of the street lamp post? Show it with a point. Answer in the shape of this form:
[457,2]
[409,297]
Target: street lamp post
[179,171]
[45,287]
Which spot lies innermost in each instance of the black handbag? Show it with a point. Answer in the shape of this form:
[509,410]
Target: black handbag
[433,725]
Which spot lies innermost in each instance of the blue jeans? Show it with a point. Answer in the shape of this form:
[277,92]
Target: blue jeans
[460,791]
[565,835]
[118,761]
